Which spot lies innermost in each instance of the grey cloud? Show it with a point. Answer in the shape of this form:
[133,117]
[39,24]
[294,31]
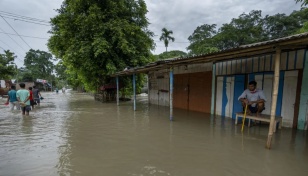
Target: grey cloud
[181,16]
[184,16]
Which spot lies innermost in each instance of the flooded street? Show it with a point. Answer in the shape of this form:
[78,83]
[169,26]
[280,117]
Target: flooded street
[71,134]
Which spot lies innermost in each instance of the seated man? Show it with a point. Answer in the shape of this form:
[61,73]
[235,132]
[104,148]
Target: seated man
[254,98]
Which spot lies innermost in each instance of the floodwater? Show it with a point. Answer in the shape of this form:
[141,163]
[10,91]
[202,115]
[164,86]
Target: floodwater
[71,134]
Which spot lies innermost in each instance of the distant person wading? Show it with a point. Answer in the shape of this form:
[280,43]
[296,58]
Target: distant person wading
[36,95]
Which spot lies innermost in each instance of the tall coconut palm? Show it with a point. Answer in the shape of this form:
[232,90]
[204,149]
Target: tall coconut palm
[166,37]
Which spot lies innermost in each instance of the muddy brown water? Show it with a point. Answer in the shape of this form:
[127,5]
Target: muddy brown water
[71,134]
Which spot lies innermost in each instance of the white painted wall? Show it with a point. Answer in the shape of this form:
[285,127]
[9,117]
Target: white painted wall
[156,84]
[219,95]
[267,89]
[289,96]
[2,83]
[230,96]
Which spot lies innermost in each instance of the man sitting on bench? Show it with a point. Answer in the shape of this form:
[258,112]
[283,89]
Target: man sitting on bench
[254,98]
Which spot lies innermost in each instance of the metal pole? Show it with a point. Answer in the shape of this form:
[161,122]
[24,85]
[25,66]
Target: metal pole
[171,94]
[274,98]
[134,89]
[213,88]
[117,80]
[148,79]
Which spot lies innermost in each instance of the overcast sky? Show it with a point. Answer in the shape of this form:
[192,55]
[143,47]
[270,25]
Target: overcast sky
[180,16]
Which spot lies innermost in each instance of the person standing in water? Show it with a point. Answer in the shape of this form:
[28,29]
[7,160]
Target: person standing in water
[23,97]
[12,99]
[32,103]
[36,95]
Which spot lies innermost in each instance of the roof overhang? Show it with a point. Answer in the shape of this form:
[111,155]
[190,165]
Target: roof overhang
[294,42]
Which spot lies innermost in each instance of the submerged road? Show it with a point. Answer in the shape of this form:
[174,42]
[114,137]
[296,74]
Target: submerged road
[71,134]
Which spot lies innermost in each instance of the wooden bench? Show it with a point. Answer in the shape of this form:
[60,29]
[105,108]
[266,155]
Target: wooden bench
[260,117]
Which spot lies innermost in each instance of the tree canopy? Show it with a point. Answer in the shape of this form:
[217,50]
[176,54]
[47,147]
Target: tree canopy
[304,2]
[39,64]
[7,66]
[97,38]
[246,29]
[170,54]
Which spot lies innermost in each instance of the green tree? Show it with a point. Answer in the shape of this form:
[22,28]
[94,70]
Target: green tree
[201,41]
[20,74]
[61,71]
[277,26]
[39,63]
[27,77]
[170,54]
[303,29]
[97,38]
[7,65]
[245,29]
[166,37]
[304,2]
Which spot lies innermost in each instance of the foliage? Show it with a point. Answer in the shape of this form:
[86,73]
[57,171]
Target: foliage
[60,69]
[97,38]
[170,54]
[202,40]
[27,77]
[246,29]
[303,29]
[304,2]
[39,64]
[22,73]
[166,37]
[7,66]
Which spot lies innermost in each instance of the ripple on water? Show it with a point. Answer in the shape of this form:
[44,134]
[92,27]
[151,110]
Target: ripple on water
[70,134]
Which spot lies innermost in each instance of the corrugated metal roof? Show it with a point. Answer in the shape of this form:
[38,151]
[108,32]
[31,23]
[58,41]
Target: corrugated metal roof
[253,45]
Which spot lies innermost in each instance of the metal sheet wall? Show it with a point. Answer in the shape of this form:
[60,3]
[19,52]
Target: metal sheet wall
[193,91]
[289,61]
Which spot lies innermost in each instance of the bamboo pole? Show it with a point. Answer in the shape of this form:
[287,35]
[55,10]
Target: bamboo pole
[243,121]
[274,98]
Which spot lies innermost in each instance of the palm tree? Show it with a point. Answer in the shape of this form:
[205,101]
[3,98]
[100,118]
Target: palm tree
[166,37]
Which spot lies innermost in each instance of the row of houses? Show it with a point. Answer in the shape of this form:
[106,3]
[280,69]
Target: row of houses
[212,83]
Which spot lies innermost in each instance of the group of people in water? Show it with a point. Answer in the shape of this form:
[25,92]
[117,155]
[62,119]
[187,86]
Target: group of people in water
[23,99]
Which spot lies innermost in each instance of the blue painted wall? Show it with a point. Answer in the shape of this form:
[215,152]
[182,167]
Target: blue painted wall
[239,87]
[304,97]
[251,77]
[280,94]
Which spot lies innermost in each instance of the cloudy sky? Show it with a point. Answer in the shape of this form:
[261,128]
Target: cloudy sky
[180,16]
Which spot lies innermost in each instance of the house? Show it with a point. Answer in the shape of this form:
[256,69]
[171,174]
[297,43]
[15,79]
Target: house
[212,83]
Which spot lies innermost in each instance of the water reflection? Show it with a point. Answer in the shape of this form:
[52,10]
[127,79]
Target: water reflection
[73,135]
[27,125]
